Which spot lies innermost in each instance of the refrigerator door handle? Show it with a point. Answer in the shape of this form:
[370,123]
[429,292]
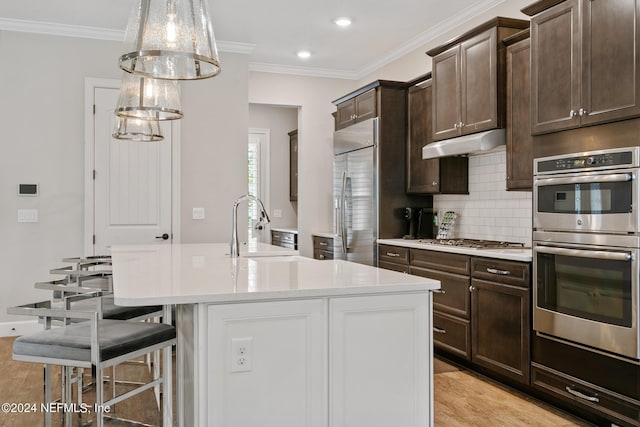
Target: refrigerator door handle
[343,212]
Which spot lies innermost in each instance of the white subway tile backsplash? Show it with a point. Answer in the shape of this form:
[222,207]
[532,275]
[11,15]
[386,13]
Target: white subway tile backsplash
[489,211]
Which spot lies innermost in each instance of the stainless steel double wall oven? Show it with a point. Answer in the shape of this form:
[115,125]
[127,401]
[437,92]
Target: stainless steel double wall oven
[586,245]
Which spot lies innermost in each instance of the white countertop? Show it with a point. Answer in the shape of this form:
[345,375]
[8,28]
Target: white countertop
[195,273]
[285,230]
[516,254]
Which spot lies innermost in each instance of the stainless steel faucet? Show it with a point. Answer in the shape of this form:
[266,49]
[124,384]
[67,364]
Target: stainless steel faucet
[235,245]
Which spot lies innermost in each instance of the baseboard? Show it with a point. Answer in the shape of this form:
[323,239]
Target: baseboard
[12,329]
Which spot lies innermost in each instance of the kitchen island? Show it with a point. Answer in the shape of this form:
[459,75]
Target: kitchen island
[287,340]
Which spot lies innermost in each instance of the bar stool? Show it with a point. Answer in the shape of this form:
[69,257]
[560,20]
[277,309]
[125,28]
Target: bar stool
[98,344]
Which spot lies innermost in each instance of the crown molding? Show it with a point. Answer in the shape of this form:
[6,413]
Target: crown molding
[64,30]
[302,71]
[431,34]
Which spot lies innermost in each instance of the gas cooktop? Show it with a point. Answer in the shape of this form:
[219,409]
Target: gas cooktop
[474,243]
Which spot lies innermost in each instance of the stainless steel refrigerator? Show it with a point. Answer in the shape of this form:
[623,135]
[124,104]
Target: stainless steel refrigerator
[355,183]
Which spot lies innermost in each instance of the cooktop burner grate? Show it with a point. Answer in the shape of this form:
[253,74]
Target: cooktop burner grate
[473,243]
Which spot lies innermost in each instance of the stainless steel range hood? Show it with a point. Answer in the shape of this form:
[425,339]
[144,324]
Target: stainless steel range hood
[468,144]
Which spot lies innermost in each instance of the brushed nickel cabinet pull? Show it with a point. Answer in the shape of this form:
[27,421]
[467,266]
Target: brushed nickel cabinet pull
[472,288]
[439,291]
[582,395]
[393,254]
[323,243]
[441,331]
[496,271]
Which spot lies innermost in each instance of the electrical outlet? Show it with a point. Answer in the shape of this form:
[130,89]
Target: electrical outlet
[277,213]
[241,354]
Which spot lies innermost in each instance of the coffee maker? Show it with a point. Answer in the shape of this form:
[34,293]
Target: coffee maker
[420,223]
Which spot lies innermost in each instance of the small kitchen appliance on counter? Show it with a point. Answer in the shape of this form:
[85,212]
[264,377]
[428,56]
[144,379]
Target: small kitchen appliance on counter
[420,223]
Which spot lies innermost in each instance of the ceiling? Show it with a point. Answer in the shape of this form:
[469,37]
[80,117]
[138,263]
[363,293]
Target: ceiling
[271,32]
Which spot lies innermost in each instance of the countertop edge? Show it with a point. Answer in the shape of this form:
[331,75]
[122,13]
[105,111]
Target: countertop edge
[421,286]
[522,255]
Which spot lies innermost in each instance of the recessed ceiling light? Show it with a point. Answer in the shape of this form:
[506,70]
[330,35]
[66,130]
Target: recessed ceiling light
[304,54]
[342,21]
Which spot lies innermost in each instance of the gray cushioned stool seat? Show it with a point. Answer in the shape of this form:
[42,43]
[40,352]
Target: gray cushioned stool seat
[116,338]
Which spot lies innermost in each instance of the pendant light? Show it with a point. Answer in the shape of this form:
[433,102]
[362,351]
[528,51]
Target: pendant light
[170,39]
[148,99]
[128,129]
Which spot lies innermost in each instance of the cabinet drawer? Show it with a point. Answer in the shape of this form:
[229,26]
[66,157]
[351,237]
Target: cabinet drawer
[320,254]
[454,297]
[585,395]
[394,254]
[443,261]
[402,268]
[511,273]
[323,243]
[452,334]
[283,237]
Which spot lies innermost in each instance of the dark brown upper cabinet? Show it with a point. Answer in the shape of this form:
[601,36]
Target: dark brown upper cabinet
[469,80]
[585,67]
[429,176]
[519,139]
[293,165]
[356,109]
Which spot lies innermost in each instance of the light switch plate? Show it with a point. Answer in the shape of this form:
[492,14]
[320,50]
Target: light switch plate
[27,215]
[198,213]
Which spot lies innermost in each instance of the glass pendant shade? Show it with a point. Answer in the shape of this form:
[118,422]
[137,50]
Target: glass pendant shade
[170,39]
[148,99]
[128,129]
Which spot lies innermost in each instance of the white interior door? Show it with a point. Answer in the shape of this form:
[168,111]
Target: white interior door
[132,183]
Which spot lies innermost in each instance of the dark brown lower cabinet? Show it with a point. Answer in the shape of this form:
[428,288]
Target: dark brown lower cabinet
[598,387]
[586,396]
[482,314]
[322,247]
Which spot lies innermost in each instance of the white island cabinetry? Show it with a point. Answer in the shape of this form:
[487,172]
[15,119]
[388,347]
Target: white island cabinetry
[289,341]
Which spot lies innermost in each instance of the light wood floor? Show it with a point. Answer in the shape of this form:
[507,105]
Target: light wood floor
[461,398]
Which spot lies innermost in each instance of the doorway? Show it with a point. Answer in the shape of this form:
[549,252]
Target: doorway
[131,188]
[277,122]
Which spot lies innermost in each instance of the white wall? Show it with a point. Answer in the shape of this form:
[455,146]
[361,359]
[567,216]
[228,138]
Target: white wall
[214,151]
[280,120]
[315,142]
[42,121]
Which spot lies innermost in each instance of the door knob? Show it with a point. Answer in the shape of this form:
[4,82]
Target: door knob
[165,236]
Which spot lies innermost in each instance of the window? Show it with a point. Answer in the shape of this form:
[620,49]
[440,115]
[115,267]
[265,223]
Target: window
[258,181]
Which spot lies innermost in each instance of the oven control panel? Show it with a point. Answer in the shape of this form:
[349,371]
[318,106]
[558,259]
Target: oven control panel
[583,161]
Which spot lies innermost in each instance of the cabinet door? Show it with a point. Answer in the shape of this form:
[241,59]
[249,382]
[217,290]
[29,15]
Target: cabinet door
[446,94]
[345,114]
[380,361]
[366,105]
[293,166]
[288,363]
[519,141]
[611,66]
[422,174]
[555,68]
[500,326]
[479,93]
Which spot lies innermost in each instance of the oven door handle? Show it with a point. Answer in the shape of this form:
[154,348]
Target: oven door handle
[611,256]
[613,177]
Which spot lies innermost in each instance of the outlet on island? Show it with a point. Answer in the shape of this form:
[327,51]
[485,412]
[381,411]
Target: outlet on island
[241,354]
